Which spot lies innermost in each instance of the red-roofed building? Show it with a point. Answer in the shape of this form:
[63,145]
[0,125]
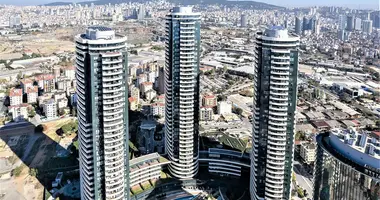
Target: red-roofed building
[15,96]
[133,104]
[146,86]
[376,133]
[25,83]
[209,101]
[157,109]
[46,82]
[32,94]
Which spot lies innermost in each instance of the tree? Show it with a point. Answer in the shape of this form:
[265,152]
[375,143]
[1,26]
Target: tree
[33,172]
[19,75]
[17,171]
[66,128]
[300,192]
[31,113]
[75,125]
[300,136]
[238,111]
[225,69]
[293,177]
[222,97]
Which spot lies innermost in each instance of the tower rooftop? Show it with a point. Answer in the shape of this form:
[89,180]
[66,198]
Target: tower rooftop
[100,32]
[276,32]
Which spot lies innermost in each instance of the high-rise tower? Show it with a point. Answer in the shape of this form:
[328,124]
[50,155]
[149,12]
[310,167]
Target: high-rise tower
[350,23]
[298,27]
[275,101]
[243,20]
[101,72]
[182,91]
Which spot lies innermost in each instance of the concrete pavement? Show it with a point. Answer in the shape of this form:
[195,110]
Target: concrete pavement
[303,179]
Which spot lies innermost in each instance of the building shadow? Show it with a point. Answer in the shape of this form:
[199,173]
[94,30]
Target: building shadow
[41,154]
[171,188]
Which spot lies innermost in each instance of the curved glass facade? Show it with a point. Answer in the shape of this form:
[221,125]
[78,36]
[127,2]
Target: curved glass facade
[336,177]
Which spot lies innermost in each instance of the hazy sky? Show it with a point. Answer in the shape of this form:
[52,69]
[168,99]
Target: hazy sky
[288,3]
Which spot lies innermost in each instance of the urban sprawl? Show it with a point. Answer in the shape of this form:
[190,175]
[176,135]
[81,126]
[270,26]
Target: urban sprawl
[215,100]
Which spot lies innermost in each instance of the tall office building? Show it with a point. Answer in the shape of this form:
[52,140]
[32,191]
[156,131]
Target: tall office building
[243,20]
[367,26]
[101,73]
[286,24]
[358,24]
[305,23]
[298,27]
[316,27]
[275,102]
[350,23]
[375,17]
[342,22]
[182,91]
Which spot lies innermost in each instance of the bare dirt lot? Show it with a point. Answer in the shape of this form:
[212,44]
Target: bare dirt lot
[12,47]
[26,152]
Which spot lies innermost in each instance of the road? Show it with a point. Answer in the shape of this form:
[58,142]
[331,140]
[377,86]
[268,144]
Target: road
[241,102]
[211,82]
[303,178]
[238,88]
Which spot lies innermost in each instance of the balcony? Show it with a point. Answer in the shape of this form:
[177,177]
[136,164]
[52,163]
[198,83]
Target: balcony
[113,67]
[115,123]
[278,138]
[276,148]
[112,61]
[113,118]
[277,103]
[278,113]
[280,62]
[277,128]
[113,90]
[112,73]
[279,93]
[113,101]
[115,106]
[279,68]
[280,78]
[278,144]
[112,84]
[278,108]
[277,177]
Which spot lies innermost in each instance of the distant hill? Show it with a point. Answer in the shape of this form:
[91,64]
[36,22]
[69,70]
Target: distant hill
[57,4]
[239,3]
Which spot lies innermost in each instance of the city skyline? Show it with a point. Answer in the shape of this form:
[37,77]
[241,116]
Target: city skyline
[364,4]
